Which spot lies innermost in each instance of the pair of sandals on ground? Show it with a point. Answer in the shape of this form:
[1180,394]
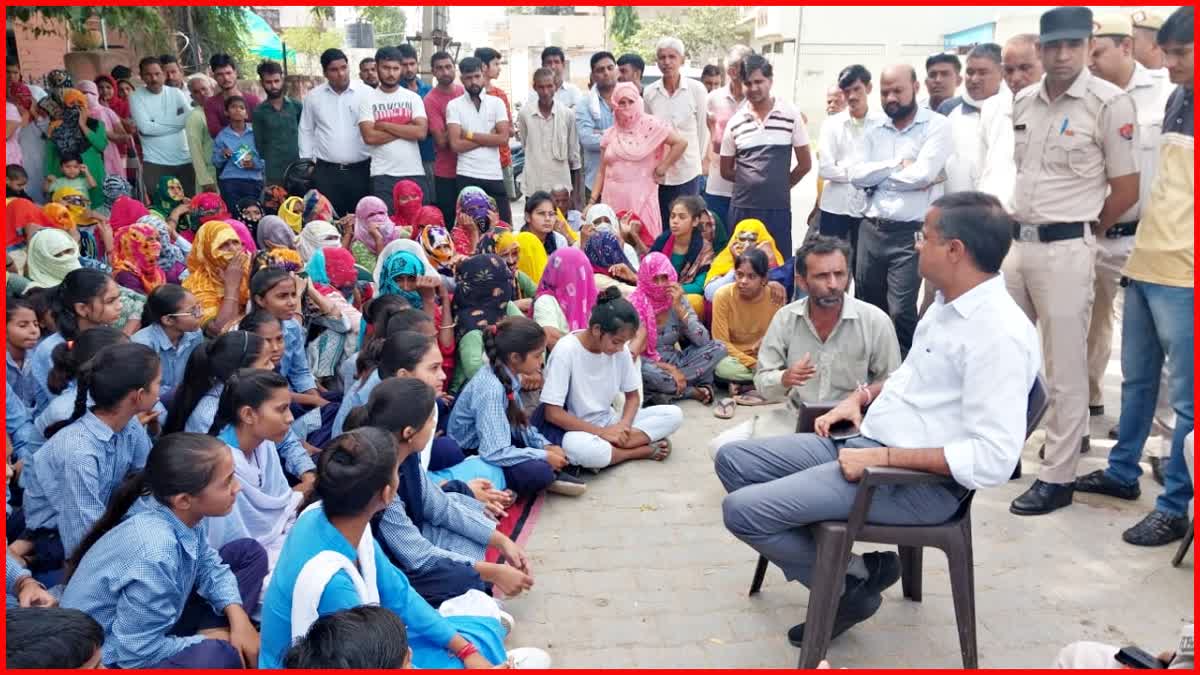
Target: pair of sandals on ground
[739,394]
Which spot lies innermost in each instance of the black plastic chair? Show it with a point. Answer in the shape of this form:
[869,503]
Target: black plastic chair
[834,540]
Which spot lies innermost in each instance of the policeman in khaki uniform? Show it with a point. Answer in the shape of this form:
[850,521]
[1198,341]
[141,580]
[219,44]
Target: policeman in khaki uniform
[1145,45]
[1077,171]
[1112,60]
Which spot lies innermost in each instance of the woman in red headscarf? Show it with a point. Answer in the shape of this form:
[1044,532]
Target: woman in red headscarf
[332,275]
[635,154]
[406,202]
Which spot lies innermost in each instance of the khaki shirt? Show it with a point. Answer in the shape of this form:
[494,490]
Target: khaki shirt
[861,349]
[1068,149]
[1150,92]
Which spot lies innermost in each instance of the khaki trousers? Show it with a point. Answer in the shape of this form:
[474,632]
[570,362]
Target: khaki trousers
[1053,283]
[1111,255]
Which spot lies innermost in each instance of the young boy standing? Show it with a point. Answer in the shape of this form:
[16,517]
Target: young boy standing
[75,174]
[239,166]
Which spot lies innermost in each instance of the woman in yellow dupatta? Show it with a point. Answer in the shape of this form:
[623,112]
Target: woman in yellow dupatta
[748,233]
[215,248]
[533,256]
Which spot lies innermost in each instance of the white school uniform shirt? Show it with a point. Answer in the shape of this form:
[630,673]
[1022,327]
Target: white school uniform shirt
[482,162]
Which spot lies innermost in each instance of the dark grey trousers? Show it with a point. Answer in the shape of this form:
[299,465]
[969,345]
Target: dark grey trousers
[886,274]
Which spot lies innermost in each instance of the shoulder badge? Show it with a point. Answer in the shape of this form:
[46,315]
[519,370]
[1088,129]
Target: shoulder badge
[1126,132]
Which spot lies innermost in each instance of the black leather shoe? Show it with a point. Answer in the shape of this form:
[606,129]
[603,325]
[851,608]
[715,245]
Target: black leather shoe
[1115,432]
[1095,410]
[1156,529]
[1100,483]
[857,604]
[1156,469]
[883,568]
[1042,498]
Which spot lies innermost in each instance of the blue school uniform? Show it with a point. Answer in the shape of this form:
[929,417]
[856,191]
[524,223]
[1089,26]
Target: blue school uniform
[61,408]
[294,364]
[295,458]
[21,379]
[356,395]
[18,421]
[69,482]
[265,503]
[136,580]
[40,368]
[14,572]
[479,420]
[173,356]
[429,633]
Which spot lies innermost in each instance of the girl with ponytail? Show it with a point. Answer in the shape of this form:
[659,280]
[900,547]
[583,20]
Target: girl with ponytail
[144,558]
[325,561]
[86,299]
[69,481]
[489,416]
[254,414]
[69,359]
[171,327]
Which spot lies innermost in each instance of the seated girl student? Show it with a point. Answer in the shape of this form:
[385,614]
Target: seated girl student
[218,275]
[366,637]
[210,367]
[147,574]
[331,561]
[171,327]
[253,415]
[375,315]
[565,296]
[505,245]
[742,312]
[586,371]
[21,338]
[490,417]
[750,233]
[331,294]
[541,219]
[678,355]
[438,540]
[69,481]
[69,359]
[689,252]
[482,298]
[85,299]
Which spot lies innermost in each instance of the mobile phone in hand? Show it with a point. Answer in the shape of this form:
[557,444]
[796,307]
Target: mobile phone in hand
[843,431]
[1140,659]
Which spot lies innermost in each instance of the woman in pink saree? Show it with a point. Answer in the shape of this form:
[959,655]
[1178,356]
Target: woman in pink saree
[635,154]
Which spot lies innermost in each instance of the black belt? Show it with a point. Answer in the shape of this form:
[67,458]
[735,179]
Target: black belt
[344,167]
[1049,232]
[896,225]
[1121,230]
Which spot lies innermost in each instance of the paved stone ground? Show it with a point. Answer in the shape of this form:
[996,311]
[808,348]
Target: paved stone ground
[640,572]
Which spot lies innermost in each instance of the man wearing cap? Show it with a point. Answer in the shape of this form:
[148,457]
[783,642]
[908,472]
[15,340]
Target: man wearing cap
[1145,46]
[1075,142]
[1158,322]
[1112,60]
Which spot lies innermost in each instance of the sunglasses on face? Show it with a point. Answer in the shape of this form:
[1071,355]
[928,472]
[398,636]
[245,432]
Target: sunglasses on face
[748,237]
[194,312]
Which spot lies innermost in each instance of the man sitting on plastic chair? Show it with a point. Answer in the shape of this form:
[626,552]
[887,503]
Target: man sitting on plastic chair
[956,406]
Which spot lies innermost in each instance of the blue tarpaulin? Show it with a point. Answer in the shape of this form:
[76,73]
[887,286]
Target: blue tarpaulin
[970,36]
[262,41]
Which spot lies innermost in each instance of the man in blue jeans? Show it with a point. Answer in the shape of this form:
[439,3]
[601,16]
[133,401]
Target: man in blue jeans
[1157,321]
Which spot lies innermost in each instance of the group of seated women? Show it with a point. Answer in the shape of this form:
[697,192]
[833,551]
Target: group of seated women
[221,429]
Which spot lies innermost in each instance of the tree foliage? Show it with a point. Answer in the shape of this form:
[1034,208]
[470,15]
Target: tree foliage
[311,41]
[623,26]
[707,32]
[143,25]
[551,10]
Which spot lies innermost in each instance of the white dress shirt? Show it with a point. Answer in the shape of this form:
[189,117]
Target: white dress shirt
[687,111]
[904,194]
[964,386]
[983,147]
[841,149]
[329,124]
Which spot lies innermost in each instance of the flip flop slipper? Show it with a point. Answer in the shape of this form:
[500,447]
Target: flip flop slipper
[662,450]
[724,409]
[705,390]
[750,398]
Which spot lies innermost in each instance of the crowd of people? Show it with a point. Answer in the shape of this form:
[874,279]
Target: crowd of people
[246,404]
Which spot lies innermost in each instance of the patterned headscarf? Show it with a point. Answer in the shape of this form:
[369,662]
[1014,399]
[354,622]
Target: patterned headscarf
[125,212]
[398,264]
[316,235]
[635,134]
[170,255]
[603,250]
[115,187]
[533,256]
[52,255]
[569,279]
[243,233]
[284,258]
[483,289]
[245,203]
[404,213]
[370,210]
[649,299]
[273,232]
[138,251]
[316,207]
[331,270]
[427,216]
[168,195]
[208,206]
[272,199]
[207,263]
[437,244]
[59,216]
[473,201]
[65,132]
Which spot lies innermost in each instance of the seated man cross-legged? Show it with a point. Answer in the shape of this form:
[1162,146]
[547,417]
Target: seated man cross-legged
[955,407]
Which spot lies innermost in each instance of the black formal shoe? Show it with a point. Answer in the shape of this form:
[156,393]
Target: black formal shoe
[883,568]
[1085,446]
[1042,498]
[1115,432]
[1156,469]
[857,604]
[1099,482]
[1157,529]
[1095,410]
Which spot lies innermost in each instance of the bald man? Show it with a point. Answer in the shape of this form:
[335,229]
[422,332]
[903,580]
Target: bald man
[1021,61]
[835,100]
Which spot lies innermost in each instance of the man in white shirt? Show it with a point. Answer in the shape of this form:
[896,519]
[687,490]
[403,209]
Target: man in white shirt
[552,156]
[478,125]
[841,149]
[329,134]
[982,112]
[720,106]
[955,407]
[391,120]
[564,92]
[160,113]
[1146,25]
[1113,60]
[682,102]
